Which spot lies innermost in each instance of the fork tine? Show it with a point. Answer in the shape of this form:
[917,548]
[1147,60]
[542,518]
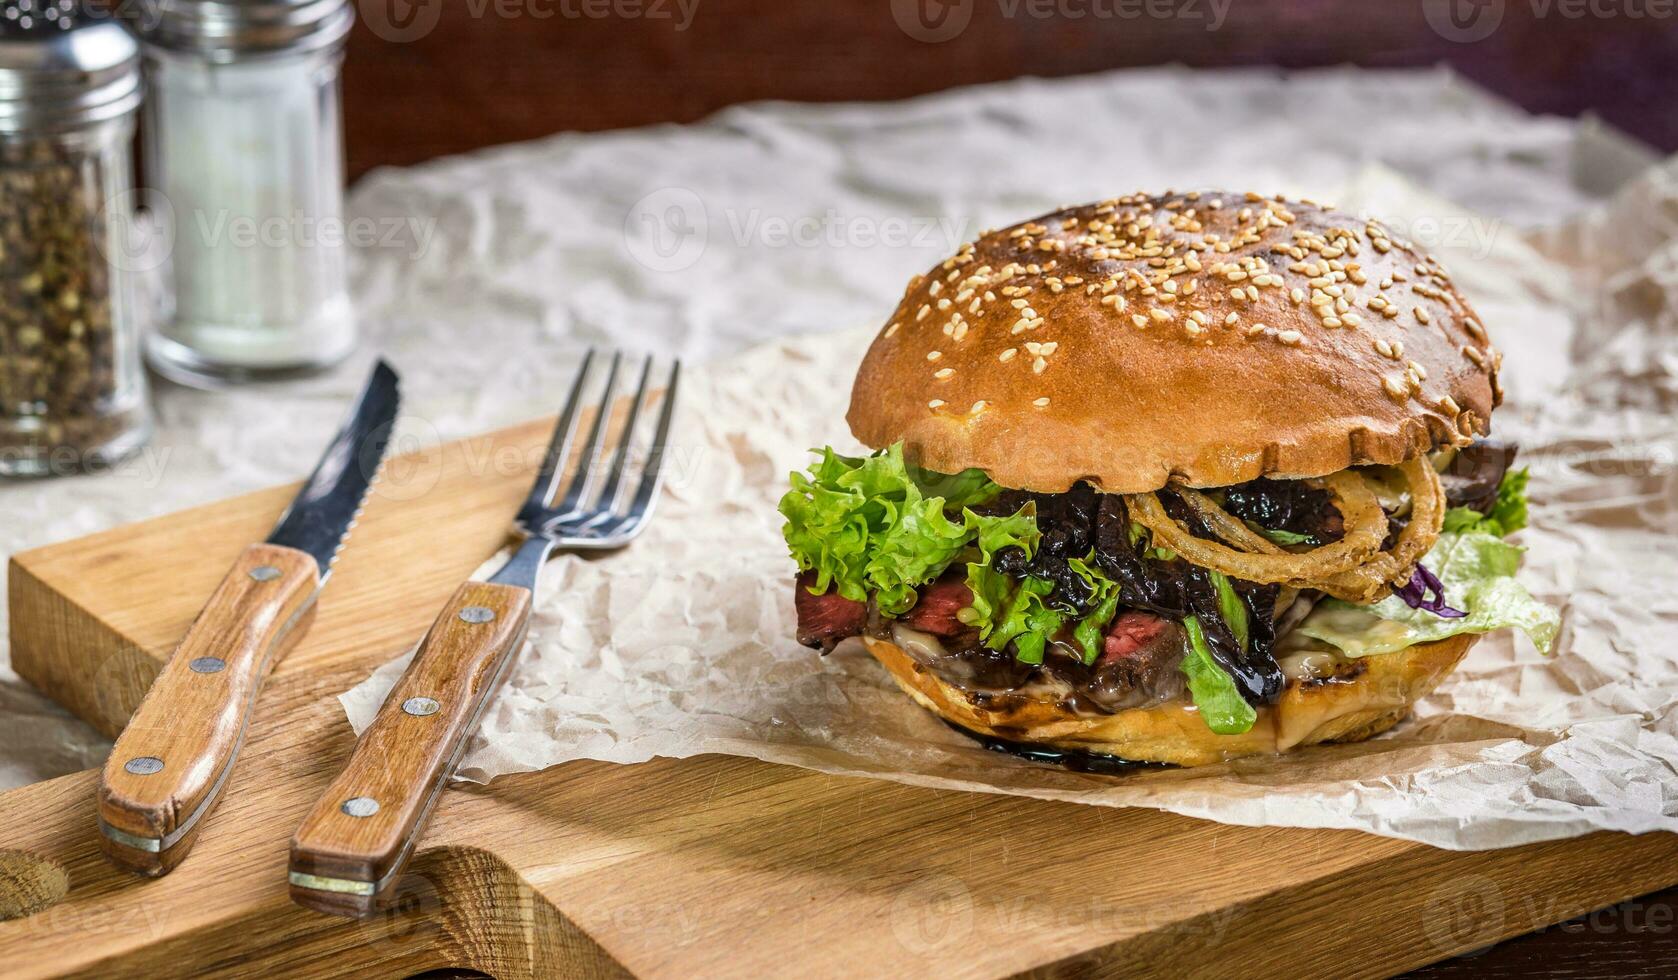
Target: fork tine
[608,497]
[653,475]
[577,490]
[558,451]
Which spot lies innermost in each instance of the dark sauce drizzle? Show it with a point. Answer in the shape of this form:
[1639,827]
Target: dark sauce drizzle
[1072,760]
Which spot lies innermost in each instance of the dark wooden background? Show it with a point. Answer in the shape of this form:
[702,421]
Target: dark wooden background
[477,77]
[429,77]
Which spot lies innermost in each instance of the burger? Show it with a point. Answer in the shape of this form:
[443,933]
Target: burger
[1170,478]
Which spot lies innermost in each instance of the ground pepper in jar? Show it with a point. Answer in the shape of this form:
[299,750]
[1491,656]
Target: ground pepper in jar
[72,390]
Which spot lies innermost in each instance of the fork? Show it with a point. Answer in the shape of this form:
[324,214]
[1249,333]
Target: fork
[349,852]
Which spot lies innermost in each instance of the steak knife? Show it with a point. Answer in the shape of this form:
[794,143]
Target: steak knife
[168,768]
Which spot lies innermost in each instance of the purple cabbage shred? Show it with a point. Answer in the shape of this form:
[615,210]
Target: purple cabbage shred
[1425,591]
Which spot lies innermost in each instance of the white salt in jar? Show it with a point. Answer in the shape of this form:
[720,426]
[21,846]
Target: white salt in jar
[244,159]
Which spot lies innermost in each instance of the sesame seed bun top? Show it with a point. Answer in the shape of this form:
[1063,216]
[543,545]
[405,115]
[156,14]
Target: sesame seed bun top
[1209,338]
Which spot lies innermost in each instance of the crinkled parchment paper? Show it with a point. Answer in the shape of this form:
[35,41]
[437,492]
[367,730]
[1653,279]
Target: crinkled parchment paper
[683,644]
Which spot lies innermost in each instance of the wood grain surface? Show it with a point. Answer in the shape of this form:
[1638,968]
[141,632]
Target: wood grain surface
[401,761]
[163,777]
[712,866]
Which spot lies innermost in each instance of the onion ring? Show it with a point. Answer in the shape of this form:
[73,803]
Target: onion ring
[1364,521]
[1353,568]
[1225,525]
[1373,581]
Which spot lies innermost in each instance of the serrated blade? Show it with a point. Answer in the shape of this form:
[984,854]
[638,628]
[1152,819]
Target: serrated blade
[322,513]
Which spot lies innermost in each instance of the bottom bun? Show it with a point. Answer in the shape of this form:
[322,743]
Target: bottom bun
[1368,697]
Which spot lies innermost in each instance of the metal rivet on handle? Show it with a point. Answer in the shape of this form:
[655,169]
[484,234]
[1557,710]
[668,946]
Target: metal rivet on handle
[420,707]
[360,806]
[477,614]
[145,765]
[207,665]
[265,573]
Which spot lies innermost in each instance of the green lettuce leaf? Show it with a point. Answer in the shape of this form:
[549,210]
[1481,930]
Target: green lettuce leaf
[1089,631]
[1281,537]
[991,591]
[1508,513]
[992,534]
[1211,687]
[879,524]
[1231,607]
[1027,621]
[1478,571]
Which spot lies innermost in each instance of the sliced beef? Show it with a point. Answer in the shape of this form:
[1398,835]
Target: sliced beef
[1129,633]
[1139,663]
[935,612]
[1475,472]
[824,620]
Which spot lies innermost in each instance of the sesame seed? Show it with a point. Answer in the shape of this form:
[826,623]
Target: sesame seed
[944,303]
[892,329]
[1397,385]
[1041,403]
[1419,371]
[1293,338]
[936,403]
[1140,320]
[923,313]
[943,373]
[933,355]
[1007,355]
[1232,319]
[978,406]
[1159,314]
[1422,315]
[1038,365]
[1474,355]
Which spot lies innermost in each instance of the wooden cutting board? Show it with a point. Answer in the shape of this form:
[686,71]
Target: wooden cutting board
[713,866]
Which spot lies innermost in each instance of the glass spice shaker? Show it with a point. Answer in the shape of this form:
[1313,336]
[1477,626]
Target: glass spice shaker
[244,143]
[72,387]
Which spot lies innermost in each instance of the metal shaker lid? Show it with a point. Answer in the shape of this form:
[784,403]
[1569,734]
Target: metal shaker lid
[227,30]
[63,71]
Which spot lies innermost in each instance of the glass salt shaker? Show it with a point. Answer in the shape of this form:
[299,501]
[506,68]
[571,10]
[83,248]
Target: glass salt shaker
[244,151]
[72,386]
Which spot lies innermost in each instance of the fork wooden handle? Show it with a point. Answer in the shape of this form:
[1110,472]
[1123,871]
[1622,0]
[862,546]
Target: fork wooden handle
[168,768]
[349,853]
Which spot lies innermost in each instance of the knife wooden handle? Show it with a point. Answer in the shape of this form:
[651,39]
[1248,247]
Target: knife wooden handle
[168,767]
[348,855]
